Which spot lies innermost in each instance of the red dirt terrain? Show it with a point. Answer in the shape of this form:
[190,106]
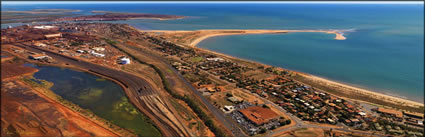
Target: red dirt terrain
[13,70]
[26,113]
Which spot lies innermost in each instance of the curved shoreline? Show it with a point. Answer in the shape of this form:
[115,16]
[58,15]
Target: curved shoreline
[378,95]
[223,32]
[338,36]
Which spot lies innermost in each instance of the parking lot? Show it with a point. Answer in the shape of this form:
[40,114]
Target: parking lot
[247,125]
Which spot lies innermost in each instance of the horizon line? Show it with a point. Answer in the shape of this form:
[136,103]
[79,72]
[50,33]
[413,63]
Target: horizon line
[216,2]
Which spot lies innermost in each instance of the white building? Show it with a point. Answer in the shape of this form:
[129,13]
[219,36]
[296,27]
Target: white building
[330,120]
[44,27]
[39,44]
[215,59]
[57,35]
[80,51]
[125,60]
[97,54]
[228,109]
[38,56]
[98,49]
[362,114]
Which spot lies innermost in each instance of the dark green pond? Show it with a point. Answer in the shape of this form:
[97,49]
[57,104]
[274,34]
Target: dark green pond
[103,97]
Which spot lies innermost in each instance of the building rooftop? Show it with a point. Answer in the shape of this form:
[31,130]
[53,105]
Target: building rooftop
[414,114]
[233,99]
[259,115]
[53,35]
[391,111]
[38,56]
[44,27]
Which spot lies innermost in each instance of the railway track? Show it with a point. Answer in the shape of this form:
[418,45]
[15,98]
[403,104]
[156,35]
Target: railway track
[135,88]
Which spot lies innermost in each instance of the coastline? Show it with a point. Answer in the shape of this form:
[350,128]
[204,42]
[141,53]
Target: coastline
[205,34]
[380,96]
[344,88]
[377,95]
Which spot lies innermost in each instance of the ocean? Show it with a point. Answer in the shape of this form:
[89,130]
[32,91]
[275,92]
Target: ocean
[384,54]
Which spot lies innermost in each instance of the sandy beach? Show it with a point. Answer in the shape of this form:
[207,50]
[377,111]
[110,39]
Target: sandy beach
[340,86]
[201,35]
[192,38]
[348,88]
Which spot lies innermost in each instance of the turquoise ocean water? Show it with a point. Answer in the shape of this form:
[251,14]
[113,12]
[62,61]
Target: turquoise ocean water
[384,54]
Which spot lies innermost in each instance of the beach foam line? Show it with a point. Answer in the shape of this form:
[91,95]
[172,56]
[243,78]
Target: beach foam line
[343,86]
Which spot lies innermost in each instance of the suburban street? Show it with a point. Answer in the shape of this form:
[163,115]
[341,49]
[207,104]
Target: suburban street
[137,87]
[300,124]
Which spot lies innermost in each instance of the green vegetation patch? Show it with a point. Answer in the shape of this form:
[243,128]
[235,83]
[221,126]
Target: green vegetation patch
[38,82]
[75,44]
[125,115]
[169,71]
[127,110]
[190,102]
[192,77]
[90,94]
[196,59]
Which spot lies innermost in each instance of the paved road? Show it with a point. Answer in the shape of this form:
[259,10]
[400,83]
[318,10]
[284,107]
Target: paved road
[132,82]
[139,87]
[301,124]
[236,131]
[135,86]
[298,122]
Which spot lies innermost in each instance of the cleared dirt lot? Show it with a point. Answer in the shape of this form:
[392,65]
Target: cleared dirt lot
[13,70]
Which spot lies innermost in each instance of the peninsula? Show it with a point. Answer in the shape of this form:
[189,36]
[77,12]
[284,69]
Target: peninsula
[36,15]
[192,38]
